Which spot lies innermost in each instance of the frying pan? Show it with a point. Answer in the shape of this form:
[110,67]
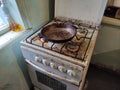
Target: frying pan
[58,33]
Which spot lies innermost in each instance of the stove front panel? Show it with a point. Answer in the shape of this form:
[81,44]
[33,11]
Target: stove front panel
[54,66]
[44,81]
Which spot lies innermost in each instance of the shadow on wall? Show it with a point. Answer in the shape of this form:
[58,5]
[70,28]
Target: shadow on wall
[11,76]
[109,60]
[21,61]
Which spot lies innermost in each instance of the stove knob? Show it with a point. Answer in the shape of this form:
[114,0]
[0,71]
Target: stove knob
[53,65]
[62,69]
[37,59]
[71,73]
[45,62]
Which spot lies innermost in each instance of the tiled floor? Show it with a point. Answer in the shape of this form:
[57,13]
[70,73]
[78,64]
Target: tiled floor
[98,79]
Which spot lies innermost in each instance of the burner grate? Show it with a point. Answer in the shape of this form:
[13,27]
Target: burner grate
[76,48]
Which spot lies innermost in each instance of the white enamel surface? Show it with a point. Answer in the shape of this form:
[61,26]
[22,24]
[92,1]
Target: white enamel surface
[71,73]
[86,10]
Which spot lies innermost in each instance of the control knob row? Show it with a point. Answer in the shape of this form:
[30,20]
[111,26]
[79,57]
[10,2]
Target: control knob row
[54,66]
[64,70]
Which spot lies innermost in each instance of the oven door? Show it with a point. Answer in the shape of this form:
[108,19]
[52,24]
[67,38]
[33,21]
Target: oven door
[43,81]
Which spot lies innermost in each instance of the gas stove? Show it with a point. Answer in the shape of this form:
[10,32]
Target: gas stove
[64,65]
[65,61]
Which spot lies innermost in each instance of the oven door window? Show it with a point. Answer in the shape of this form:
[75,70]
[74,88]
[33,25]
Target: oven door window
[50,82]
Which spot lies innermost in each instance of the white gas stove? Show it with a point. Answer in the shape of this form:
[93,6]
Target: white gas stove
[65,61]
[60,66]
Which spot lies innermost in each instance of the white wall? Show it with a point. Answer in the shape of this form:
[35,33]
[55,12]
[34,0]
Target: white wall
[108,39]
[107,48]
[86,10]
[34,12]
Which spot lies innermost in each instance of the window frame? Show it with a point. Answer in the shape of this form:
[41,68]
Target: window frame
[4,28]
[5,24]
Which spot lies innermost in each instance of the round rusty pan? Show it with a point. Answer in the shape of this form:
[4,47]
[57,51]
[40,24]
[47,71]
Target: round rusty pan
[58,33]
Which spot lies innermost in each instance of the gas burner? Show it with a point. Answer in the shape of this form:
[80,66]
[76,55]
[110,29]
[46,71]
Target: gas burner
[57,47]
[72,47]
[82,31]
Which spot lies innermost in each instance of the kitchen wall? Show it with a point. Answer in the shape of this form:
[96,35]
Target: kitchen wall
[13,71]
[33,12]
[11,76]
[107,49]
